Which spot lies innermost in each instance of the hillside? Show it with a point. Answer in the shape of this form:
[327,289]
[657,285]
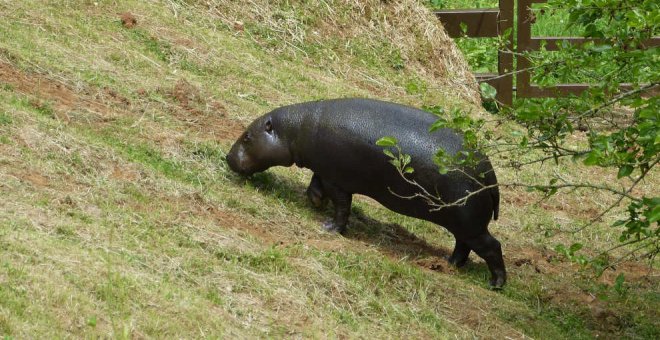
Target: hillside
[120,218]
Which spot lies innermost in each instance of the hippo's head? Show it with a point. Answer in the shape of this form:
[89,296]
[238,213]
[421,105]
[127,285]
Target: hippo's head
[260,147]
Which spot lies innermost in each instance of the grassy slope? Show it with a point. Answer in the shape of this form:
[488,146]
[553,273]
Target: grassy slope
[119,216]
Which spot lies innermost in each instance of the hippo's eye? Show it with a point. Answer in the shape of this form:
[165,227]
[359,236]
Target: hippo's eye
[269,126]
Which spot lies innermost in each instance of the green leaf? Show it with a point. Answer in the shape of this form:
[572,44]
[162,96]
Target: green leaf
[388,153]
[575,247]
[560,248]
[463,27]
[619,223]
[409,170]
[438,124]
[524,142]
[487,91]
[601,48]
[405,160]
[593,158]
[618,283]
[386,141]
[654,215]
[625,171]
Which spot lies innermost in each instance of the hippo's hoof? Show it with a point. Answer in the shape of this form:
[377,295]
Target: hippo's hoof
[332,227]
[497,281]
[457,262]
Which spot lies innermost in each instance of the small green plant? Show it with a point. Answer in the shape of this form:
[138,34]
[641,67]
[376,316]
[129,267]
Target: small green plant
[571,251]
[619,285]
[43,108]
[416,86]
[5,119]
[158,47]
[91,321]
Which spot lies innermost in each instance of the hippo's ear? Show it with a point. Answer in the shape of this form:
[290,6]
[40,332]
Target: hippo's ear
[269,125]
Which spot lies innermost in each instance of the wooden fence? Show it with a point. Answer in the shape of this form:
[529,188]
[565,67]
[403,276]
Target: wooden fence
[483,23]
[493,22]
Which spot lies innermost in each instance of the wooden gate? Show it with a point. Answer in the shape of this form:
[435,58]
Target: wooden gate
[493,22]
[487,23]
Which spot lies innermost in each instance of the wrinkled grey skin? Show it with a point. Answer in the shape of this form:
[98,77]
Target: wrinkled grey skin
[336,139]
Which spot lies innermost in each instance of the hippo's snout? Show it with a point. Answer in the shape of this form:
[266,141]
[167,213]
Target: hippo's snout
[239,162]
[234,163]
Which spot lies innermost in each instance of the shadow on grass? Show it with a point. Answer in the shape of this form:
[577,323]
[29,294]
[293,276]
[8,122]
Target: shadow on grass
[391,238]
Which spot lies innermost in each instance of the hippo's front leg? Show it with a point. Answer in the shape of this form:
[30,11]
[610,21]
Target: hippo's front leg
[315,192]
[342,203]
[460,255]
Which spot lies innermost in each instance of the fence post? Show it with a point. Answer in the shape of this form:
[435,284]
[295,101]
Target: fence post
[505,57]
[524,35]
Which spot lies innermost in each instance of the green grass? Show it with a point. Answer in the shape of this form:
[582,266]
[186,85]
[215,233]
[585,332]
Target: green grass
[120,218]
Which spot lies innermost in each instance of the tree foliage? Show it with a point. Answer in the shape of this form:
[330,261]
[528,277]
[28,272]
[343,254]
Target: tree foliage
[621,123]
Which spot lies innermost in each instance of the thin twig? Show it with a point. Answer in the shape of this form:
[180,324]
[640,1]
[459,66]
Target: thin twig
[616,99]
[618,201]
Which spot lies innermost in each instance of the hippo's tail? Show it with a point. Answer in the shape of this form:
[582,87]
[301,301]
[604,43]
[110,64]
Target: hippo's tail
[491,179]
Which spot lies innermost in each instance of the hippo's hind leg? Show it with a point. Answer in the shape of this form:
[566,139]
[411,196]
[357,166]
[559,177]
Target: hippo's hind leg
[342,205]
[489,249]
[460,255]
[315,192]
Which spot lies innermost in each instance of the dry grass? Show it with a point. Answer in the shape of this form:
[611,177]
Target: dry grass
[340,35]
[119,217]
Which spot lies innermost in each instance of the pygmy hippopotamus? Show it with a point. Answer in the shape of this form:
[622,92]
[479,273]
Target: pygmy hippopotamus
[336,139]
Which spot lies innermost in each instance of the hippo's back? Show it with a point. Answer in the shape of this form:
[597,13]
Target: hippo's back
[337,139]
[357,124]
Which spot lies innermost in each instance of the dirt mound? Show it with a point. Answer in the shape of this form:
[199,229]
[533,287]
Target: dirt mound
[128,20]
[188,96]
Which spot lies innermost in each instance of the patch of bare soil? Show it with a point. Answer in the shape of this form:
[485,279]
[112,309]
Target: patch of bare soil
[48,93]
[576,207]
[122,173]
[435,264]
[101,105]
[38,86]
[526,261]
[207,117]
[549,262]
[34,178]
[188,96]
